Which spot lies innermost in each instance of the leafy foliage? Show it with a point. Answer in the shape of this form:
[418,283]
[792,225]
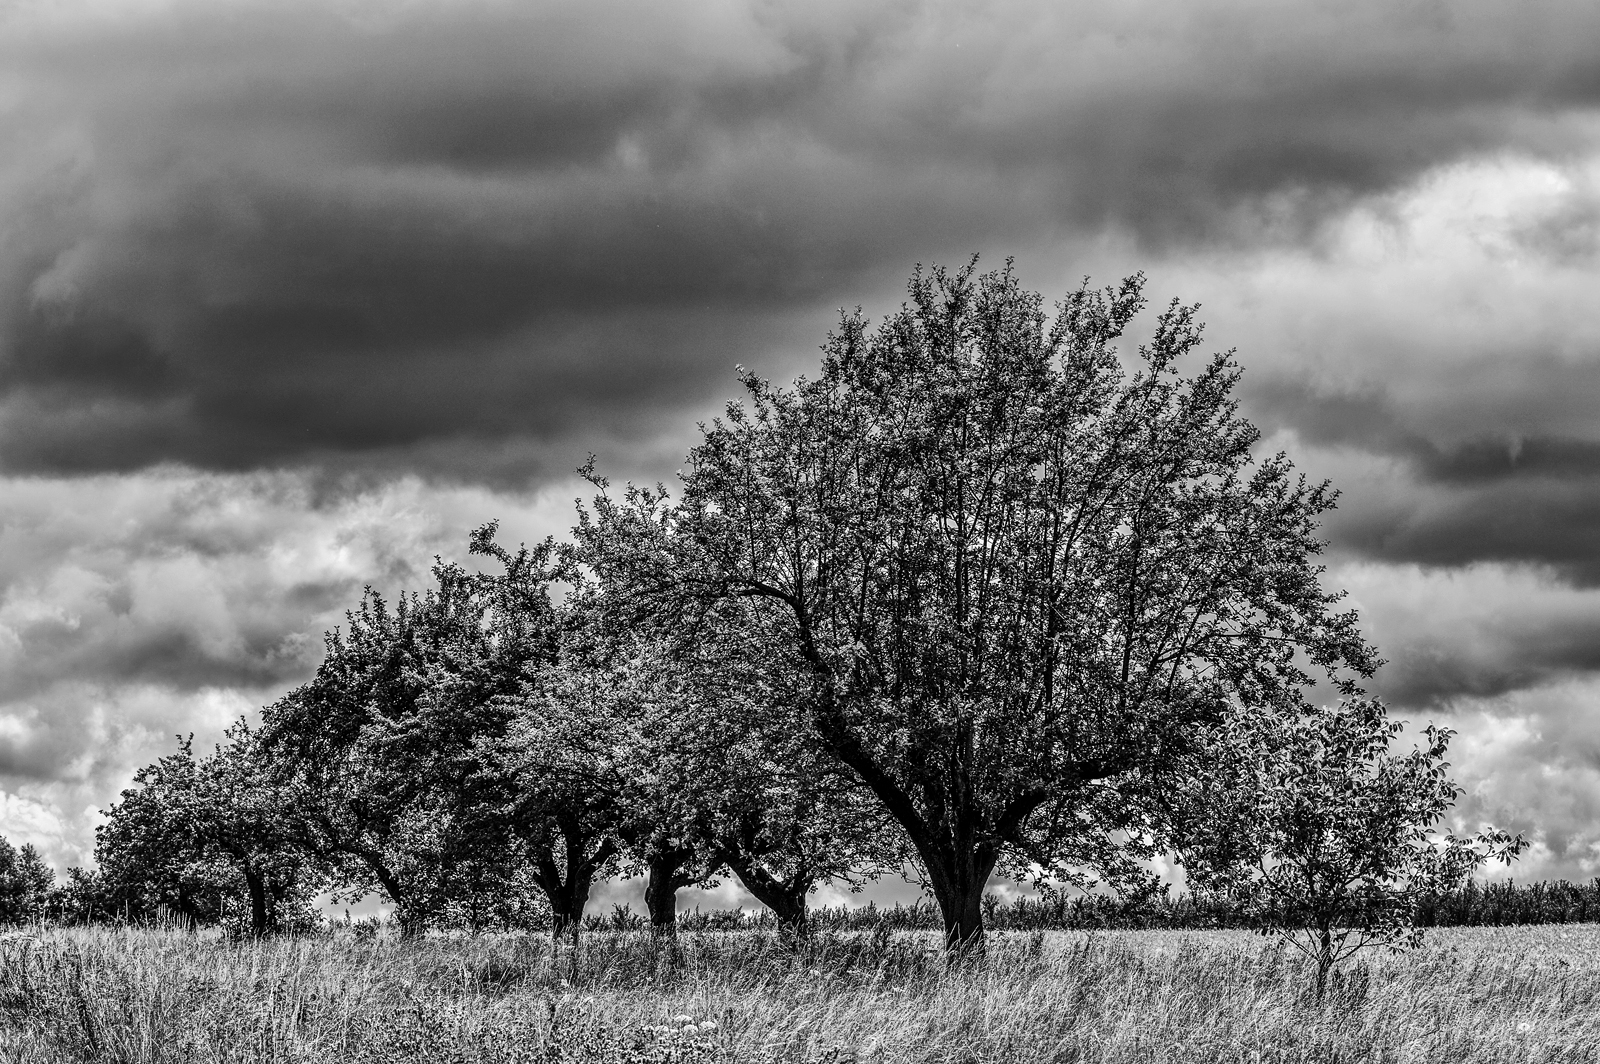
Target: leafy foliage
[380,754]
[26,883]
[985,596]
[195,834]
[1010,579]
[1325,835]
[764,796]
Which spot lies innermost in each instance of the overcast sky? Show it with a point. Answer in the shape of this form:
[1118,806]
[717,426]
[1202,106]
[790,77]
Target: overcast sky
[293,294]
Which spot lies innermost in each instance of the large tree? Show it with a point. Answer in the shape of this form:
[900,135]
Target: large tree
[1017,569]
[602,738]
[559,793]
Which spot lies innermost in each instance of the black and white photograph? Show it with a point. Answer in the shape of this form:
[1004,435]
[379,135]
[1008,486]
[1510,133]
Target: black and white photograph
[799,532]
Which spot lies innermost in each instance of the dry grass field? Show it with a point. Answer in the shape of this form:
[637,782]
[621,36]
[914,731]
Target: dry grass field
[142,996]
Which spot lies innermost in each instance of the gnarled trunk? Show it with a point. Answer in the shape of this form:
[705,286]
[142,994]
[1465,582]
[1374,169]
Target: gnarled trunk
[958,880]
[411,922]
[957,846]
[1325,958]
[661,888]
[188,908]
[786,898]
[260,914]
[568,887]
[566,914]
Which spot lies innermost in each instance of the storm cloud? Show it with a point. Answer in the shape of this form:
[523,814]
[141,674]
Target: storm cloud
[292,294]
[274,234]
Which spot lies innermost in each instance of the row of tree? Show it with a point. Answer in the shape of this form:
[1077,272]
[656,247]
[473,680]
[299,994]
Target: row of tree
[30,894]
[984,597]
[480,755]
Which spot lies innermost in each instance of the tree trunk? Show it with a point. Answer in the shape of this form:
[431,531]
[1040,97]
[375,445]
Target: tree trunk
[1324,960]
[959,847]
[410,923]
[958,879]
[786,898]
[567,889]
[963,918]
[566,915]
[188,909]
[566,906]
[661,889]
[260,917]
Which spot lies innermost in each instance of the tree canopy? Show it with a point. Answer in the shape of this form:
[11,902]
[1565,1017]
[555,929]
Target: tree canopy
[194,830]
[1014,577]
[1323,833]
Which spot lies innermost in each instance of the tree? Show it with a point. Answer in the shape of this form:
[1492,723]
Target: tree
[1017,579]
[353,751]
[391,753]
[601,737]
[195,832]
[147,857]
[566,824]
[760,794]
[84,897]
[26,883]
[491,887]
[784,820]
[597,769]
[565,803]
[544,779]
[1325,836]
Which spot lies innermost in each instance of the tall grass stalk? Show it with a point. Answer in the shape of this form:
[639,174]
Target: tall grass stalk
[135,996]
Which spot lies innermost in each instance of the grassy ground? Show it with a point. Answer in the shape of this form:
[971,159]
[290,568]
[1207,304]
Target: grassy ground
[141,996]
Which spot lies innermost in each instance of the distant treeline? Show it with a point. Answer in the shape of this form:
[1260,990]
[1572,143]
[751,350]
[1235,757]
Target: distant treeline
[1492,904]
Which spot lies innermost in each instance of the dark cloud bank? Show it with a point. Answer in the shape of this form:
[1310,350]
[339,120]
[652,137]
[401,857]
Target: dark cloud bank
[266,234]
[301,277]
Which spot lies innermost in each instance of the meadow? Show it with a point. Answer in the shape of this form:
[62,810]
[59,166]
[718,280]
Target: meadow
[141,996]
